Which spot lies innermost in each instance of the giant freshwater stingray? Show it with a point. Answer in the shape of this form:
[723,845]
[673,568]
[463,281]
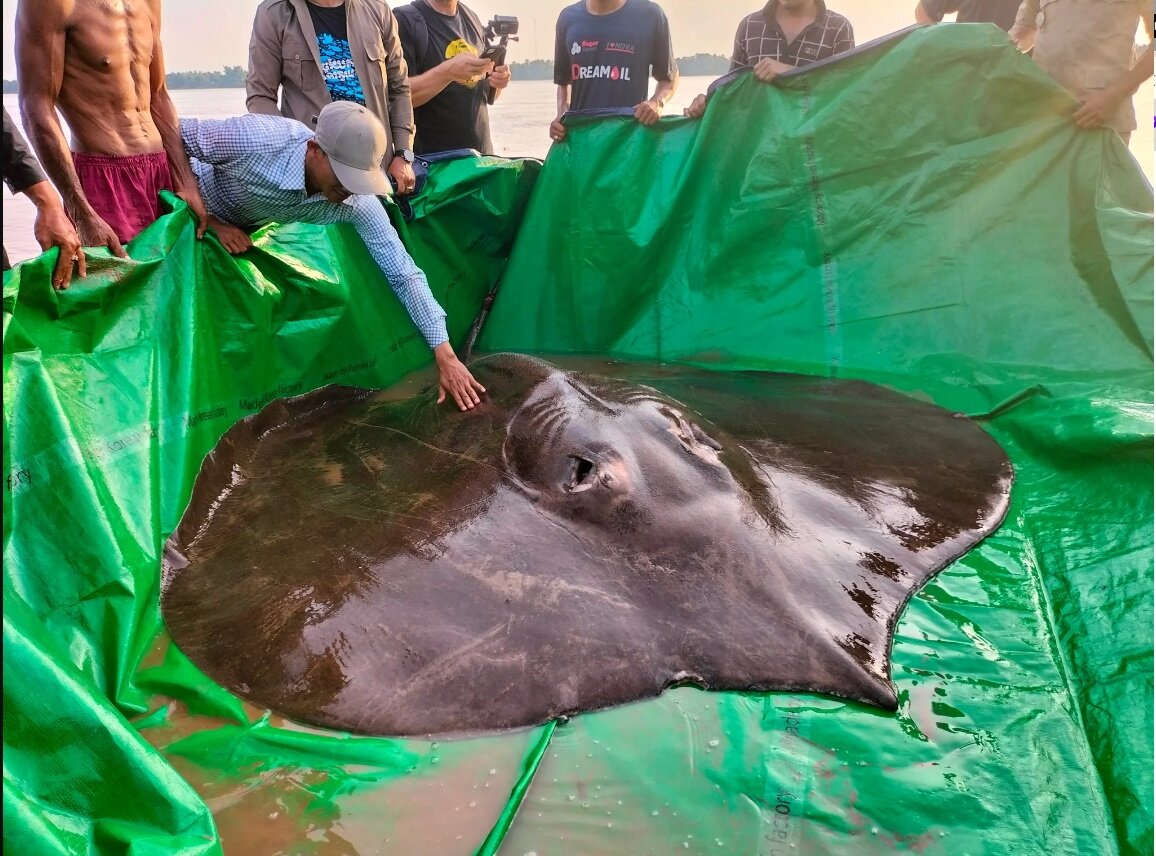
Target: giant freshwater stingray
[576,542]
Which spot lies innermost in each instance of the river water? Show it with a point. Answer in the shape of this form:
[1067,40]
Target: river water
[518,125]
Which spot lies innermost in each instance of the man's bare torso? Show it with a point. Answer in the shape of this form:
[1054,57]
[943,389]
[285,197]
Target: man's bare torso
[105,95]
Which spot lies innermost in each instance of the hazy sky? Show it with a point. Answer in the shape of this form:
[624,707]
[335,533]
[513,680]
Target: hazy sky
[206,35]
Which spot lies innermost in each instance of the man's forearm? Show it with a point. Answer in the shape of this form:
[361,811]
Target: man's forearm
[47,139]
[165,116]
[563,100]
[42,196]
[402,137]
[425,87]
[405,278]
[21,170]
[664,91]
[400,90]
[421,306]
[1127,84]
[401,121]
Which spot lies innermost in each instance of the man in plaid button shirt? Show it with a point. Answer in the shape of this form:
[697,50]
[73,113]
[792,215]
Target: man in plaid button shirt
[783,35]
[258,169]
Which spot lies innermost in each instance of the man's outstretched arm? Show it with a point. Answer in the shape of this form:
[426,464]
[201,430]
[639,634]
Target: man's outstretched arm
[412,289]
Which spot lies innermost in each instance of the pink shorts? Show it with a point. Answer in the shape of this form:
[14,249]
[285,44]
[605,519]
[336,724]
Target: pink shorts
[123,190]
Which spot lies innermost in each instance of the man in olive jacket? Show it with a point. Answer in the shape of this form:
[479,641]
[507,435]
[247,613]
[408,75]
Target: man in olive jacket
[319,51]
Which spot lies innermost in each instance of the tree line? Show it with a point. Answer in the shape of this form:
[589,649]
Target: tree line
[233,76]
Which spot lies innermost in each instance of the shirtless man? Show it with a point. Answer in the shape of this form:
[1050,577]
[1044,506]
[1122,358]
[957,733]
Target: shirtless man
[100,63]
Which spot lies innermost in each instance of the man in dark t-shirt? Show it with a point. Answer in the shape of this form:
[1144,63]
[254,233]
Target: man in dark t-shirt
[604,54]
[1002,13]
[443,41]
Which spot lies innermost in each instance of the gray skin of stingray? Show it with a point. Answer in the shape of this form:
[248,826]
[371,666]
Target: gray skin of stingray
[576,542]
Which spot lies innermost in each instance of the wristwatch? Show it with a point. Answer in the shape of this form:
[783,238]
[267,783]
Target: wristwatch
[405,154]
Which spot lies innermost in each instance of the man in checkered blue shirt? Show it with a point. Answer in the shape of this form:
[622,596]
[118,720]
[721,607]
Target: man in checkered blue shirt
[258,169]
[783,35]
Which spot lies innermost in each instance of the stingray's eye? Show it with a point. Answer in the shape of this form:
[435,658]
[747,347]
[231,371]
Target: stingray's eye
[582,475]
[596,468]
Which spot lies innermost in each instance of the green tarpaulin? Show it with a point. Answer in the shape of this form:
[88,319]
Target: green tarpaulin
[921,214]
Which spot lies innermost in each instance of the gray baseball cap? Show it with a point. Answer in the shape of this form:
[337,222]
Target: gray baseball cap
[356,143]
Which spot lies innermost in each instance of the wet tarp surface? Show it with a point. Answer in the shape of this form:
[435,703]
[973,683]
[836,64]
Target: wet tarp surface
[921,214]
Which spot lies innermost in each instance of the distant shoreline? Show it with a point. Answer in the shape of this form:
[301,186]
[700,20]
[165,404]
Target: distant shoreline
[233,76]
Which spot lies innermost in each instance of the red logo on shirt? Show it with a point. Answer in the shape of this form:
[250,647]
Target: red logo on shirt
[599,72]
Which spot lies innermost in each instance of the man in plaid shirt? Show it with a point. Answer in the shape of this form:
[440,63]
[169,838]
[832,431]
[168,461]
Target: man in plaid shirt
[258,169]
[783,35]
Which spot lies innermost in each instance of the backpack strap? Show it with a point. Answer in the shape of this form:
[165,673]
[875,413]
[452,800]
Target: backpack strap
[411,14]
[421,25]
[474,19]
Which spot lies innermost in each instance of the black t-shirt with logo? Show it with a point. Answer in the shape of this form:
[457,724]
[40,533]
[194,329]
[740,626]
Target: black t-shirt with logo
[457,117]
[606,60]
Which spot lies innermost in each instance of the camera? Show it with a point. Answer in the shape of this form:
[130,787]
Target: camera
[501,26]
[500,31]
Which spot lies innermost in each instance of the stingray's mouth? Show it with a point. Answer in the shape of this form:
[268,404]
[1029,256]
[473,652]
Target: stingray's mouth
[582,475]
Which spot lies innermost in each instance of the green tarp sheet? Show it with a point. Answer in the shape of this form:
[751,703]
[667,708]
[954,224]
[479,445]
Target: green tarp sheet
[921,214]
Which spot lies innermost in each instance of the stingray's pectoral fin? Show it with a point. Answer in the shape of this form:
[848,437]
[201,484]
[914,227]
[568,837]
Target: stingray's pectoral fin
[849,667]
[863,677]
[860,686]
[881,694]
